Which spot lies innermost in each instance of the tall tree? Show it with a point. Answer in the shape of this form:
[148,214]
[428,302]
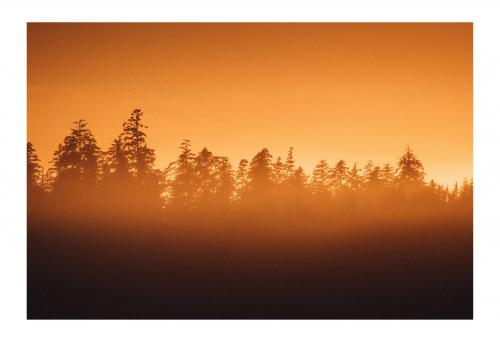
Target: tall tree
[355,179]
[34,170]
[374,180]
[76,159]
[183,184]
[279,171]
[225,181]
[454,193]
[298,181]
[140,157]
[320,182]
[290,163]
[241,179]
[339,176]
[387,175]
[367,170]
[410,172]
[205,181]
[260,173]
[116,160]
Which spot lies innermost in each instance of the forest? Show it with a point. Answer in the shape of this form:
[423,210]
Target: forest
[112,236]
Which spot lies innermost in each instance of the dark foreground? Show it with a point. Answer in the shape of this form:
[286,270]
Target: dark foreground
[162,271]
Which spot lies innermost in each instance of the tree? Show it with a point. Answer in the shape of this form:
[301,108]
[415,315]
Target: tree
[260,173]
[183,185]
[320,183]
[241,179]
[140,157]
[387,175]
[298,181]
[466,191]
[205,181]
[116,160]
[279,172]
[410,172]
[290,163]
[355,179]
[225,181]
[339,176]
[454,193]
[374,181]
[367,170]
[34,170]
[76,160]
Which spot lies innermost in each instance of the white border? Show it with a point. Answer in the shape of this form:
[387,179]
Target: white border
[15,327]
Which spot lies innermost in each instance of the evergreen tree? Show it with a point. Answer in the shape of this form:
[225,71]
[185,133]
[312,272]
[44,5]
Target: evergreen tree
[339,176]
[367,170]
[116,160]
[205,181]
[454,193]
[76,160]
[320,182]
[466,191]
[225,181]
[241,179]
[410,173]
[260,173]
[34,170]
[140,157]
[355,179]
[290,163]
[298,181]
[183,185]
[279,172]
[374,181]
[387,175]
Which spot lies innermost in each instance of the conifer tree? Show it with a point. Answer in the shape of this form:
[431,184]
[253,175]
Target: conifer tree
[320,182]
[225,181]
[290,163]
[76,160]
[140,157]
[410,173]
[387,175]
[279,172]
[183,185]
[355,179]
[34,170]
[260,173]
[241,179]
[339,176]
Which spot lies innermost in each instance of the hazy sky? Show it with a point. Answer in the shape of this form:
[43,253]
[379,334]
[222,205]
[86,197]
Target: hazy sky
[351,91]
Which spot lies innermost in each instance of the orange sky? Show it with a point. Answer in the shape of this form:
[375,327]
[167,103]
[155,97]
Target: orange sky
[351,91]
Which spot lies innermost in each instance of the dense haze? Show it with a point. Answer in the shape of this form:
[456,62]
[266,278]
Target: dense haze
[112,236]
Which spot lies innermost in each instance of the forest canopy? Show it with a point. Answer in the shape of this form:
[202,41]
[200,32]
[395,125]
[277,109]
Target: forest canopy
[122,180]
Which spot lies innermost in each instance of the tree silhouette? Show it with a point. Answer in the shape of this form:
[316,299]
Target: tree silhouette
[76,161]
[241,179]
[34,170]
[355,179]
[225,181]
[183,185]
[410,172]
[279,172]
[320,182]
[140,157]
[339,176]
[123,182]
[290,163]
[387,175]
[260,173]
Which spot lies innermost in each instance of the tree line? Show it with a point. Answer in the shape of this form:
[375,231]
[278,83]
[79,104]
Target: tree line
[123,179]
